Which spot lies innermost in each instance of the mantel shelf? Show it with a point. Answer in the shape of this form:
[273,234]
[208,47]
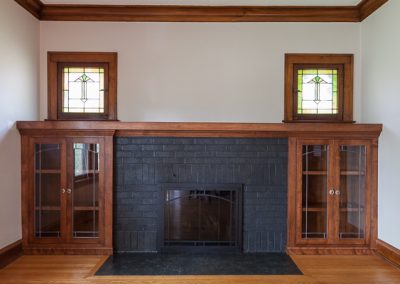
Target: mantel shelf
[199,129]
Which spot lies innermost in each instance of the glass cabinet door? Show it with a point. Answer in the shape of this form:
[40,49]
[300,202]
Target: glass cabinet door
[314,199]
[85,190]
[47,190]
[351,191]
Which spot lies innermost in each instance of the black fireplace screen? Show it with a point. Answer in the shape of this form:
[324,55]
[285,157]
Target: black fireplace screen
[203,216]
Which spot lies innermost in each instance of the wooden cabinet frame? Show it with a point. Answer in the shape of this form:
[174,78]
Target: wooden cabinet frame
[332,244]
[66,244]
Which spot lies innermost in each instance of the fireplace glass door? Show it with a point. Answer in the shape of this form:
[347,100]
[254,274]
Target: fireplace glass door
[202,217]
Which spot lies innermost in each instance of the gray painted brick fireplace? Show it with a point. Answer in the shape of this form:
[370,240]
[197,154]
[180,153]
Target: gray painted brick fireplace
[143,164]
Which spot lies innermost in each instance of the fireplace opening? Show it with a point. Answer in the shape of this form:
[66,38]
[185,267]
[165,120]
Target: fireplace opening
[202,217]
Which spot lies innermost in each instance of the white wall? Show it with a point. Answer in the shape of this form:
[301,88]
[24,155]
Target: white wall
[229,72]
[19,80]
[381,103]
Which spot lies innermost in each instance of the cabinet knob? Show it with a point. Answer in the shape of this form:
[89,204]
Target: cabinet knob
[69,190]
[337,192]
[62,190]
[332,192]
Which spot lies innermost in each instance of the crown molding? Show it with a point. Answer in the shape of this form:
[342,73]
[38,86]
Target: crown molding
[183,13]
[367,7]
[199,13]
[32,6]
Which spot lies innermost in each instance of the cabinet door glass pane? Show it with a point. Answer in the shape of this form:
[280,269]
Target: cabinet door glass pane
[47,187]
[352,192]
[314,192]
[85,207]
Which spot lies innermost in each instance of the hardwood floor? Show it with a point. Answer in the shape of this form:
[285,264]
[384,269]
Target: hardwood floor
[317,269]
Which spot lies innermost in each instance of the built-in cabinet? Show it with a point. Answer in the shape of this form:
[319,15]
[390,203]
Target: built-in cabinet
[67,185]
[332,189]
[67,193]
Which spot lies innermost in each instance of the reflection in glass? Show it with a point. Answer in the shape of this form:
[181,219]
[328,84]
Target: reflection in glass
[352,192]
[314,191]
[85,207]
[47,190]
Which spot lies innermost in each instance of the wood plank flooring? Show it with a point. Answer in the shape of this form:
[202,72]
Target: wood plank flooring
[316,269]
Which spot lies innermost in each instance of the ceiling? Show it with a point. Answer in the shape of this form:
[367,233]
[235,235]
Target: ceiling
[211,2]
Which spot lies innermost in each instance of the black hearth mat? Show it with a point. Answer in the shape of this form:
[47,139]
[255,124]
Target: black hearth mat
[199,264]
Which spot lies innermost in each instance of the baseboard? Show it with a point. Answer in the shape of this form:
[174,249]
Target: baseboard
[52,250]
[10,253]
[329,250]
[388,252]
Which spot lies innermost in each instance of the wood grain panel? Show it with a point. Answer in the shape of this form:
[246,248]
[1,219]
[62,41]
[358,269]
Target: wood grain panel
[186,13]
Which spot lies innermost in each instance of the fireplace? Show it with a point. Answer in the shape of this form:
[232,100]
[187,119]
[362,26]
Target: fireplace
[198,171]
[201,217]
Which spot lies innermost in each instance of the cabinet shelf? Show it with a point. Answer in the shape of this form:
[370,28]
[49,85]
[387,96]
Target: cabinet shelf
[315,173]
[48,171]
[351,209]
[352,173]
[47,208]
[85,208]
[314,209]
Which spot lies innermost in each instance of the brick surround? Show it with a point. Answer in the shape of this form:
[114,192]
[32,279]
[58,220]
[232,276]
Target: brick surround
[143,165]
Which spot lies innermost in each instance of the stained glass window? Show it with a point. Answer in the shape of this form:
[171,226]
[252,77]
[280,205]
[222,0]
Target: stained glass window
[317,91]
[83,90]
[318,87]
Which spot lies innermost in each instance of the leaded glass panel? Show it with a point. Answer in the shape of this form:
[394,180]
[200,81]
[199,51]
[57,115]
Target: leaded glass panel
[83,90]
[317,91]
[85,193]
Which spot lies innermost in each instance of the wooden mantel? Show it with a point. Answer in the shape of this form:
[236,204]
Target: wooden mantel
[199,129]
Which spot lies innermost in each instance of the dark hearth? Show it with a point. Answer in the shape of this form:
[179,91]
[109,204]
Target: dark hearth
[199,264]
[144,166]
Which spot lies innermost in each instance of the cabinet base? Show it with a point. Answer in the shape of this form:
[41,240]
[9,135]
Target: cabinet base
[67,251]
[329,250]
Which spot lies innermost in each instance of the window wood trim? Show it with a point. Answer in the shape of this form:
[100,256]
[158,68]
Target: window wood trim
[57,59]
[345,82]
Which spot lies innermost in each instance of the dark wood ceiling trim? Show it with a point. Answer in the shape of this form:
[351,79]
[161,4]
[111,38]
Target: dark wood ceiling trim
[165,13]
[199,13]
[367,7]
[32,6]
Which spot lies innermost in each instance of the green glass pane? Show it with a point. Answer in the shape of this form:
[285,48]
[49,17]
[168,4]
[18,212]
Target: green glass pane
[309,71]
[299,90]
[335,105]
[74,69]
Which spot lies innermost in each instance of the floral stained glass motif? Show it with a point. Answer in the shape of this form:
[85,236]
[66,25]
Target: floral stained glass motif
[83,90]
[317,91]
